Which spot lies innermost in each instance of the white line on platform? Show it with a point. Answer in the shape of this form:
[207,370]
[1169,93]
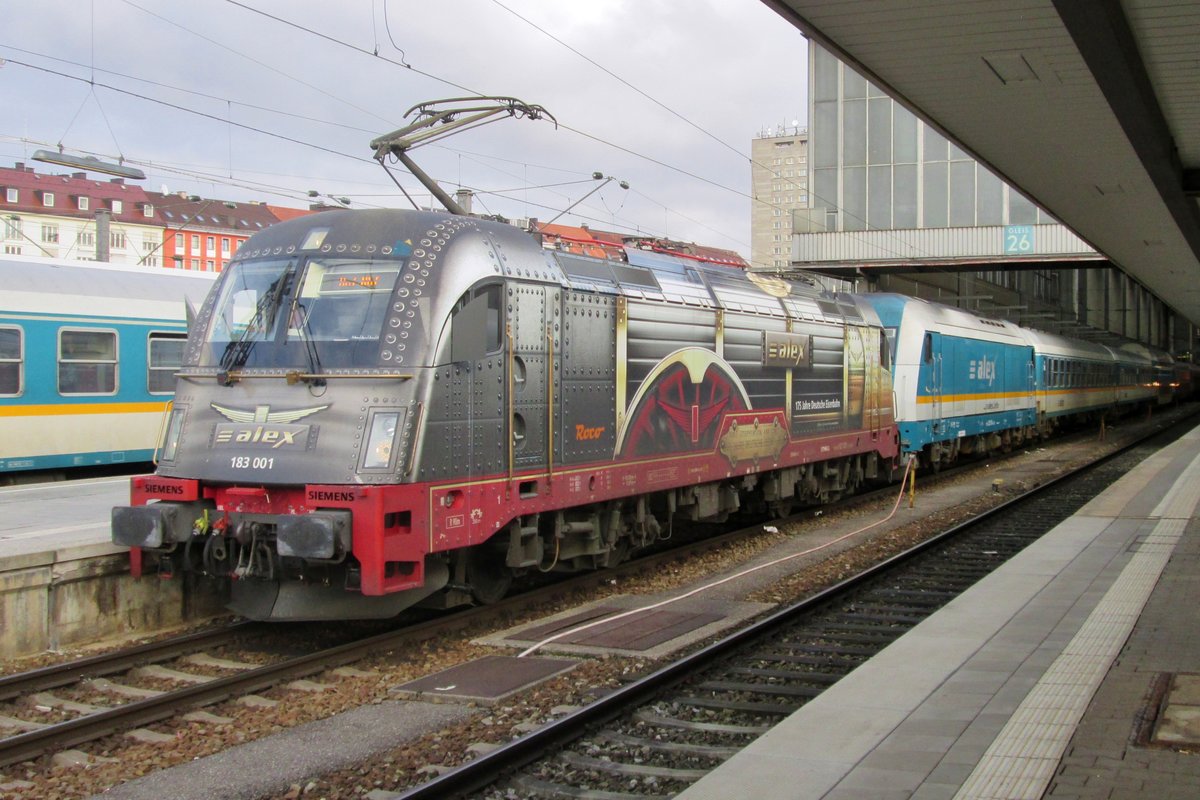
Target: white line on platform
[41,487]
[94,526]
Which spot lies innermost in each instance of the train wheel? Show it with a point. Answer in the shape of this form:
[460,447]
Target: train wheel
[488,576]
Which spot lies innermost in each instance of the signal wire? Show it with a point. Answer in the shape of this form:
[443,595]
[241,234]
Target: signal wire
[263,64]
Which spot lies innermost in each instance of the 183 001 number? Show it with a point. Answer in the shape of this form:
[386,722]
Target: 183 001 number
[246,462]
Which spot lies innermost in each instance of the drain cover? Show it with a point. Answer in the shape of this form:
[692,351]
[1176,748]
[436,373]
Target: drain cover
[638,632]
[485,680]
[1179,719]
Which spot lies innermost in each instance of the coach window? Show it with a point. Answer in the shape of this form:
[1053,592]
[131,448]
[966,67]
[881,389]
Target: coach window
[165,351]
[12,361]
[87,362]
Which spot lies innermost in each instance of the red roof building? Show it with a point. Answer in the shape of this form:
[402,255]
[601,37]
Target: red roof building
[65,216]
[284,213]
[203,234]
[605,244]
[578,240]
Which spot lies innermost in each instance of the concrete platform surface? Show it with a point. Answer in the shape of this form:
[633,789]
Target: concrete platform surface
[1014,690]
[268,766]
[46,518]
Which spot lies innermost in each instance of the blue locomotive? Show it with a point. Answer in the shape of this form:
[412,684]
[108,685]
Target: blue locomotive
[967,384]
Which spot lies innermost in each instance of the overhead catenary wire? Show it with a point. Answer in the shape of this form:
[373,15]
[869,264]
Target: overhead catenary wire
[226,121]
[256,106]
[403,64]
[691,123]
[457,85]
[263,64]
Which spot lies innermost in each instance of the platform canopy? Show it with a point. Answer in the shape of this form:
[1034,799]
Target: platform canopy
[1090,107]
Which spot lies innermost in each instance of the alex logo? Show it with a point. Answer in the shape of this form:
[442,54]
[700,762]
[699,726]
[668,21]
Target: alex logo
[262,426]
[584,434]
[274,437]
[984,369]
[265,414]
[786,349]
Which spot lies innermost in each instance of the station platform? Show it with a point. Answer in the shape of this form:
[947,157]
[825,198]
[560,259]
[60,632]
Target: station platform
[1071,672]
[63,582]
[60,518]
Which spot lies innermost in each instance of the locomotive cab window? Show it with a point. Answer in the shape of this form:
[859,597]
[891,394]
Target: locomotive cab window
[164,358]
[303,312]
[927,349]
[87,362]
[477,324]
[12,361]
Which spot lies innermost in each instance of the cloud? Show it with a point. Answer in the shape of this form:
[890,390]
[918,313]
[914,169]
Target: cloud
[693,84]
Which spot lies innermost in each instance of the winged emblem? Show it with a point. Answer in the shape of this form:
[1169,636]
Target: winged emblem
[265,414]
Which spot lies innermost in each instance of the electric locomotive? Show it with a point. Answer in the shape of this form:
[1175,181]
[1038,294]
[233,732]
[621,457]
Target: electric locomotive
[378,409]
[967,384]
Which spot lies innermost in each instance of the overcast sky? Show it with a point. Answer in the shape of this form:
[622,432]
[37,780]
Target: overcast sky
[663,94]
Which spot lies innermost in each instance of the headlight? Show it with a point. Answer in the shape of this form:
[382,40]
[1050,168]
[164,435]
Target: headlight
[380,440]
[174,428]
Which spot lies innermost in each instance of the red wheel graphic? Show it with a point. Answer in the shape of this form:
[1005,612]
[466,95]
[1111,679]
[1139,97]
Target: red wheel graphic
[677,414]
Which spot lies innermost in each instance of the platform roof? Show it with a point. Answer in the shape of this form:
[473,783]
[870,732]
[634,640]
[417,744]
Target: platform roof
[1090,107]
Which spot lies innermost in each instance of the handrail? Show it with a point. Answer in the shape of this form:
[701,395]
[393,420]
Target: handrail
[162,426]
[296,376]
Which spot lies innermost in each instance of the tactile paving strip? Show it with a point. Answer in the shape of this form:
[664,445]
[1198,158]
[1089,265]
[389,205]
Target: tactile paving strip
[1021,761]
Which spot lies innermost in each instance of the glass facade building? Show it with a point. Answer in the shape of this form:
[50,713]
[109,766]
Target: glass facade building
[875,166]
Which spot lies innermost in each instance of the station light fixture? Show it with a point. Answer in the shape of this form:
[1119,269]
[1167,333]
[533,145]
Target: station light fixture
[89,164]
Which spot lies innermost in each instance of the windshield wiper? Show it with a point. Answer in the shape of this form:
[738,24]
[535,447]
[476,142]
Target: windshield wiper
[237,352]
[299,315]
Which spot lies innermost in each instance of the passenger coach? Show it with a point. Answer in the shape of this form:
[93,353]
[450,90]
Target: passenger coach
[88,355]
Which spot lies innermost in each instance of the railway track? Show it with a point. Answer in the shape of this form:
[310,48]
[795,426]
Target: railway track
[147,683]
[656,736]
[64,705]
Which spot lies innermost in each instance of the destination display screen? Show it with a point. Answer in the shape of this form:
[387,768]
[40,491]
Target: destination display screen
[354,278]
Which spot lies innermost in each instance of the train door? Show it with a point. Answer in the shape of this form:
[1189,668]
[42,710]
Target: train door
[868,376]
[531,365]
[880,378]
[1030,401]
[857,405]
[931,378]
[477,350]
